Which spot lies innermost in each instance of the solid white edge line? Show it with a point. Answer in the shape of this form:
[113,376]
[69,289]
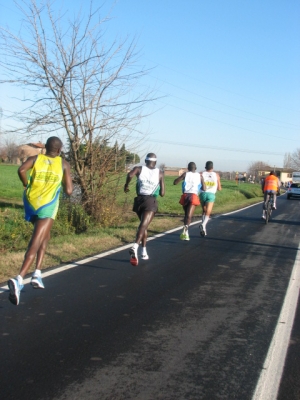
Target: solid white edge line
[93,258]
[75,264]
[269,380]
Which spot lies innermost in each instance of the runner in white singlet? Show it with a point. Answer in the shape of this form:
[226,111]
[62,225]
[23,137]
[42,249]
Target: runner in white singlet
[192,182]
[149,184]
[207,197]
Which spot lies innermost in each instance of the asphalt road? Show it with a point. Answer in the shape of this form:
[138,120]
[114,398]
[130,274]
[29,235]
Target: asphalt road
[193,322]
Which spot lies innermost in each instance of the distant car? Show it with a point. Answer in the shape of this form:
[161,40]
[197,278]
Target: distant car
[293,191]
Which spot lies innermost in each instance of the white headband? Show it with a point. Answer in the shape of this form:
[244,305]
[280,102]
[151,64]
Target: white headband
[150,159]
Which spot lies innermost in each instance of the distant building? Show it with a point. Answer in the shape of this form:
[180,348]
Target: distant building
[30,149]
[174,171]
[284,174]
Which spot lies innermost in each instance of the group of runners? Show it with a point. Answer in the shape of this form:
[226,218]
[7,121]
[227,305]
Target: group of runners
[197,188]
[49,173]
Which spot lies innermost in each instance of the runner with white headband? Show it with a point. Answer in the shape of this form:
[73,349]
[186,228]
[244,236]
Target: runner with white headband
[149,184]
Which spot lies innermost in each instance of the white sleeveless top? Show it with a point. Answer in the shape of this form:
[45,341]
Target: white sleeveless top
[211,181]
[148,182]
[191,183]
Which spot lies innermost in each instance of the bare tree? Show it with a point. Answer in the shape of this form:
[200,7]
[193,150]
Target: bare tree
[287,160]
[79,85]
[9,151]
[257,166]
[295,160]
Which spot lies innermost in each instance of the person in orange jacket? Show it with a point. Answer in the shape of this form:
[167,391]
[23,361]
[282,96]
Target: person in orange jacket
[270,185]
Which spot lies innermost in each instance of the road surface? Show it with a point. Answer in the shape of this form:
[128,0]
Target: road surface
[196,321]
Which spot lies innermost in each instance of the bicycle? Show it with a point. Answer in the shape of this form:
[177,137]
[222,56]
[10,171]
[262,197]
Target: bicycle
[269,206]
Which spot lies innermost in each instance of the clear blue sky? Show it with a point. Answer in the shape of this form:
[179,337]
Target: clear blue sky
[230,71]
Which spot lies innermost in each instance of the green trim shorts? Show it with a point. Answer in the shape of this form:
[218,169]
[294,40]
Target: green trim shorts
[206,197]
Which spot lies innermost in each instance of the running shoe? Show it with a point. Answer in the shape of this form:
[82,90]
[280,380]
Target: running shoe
[274,207]
[144,257]
[263,216]
[202,230]
[133,257]
[187,236]
[15,289]
[36,282]
[183,236]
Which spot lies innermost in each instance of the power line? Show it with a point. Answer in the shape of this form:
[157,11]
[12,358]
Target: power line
[223,104]
[218,87]
[223,112]
[203,146]
[235,126]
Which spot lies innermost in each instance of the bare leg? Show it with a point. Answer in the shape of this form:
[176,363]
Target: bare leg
[189,212]
[37,245]
[204,209]
[208,210]
[142,233]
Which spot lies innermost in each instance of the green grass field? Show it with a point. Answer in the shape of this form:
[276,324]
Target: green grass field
[10,186]
[231,194]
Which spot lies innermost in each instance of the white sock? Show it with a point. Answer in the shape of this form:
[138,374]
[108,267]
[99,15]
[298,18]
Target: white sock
[37,272]
[20,280]
[144,251]
[206,218]
[135,246]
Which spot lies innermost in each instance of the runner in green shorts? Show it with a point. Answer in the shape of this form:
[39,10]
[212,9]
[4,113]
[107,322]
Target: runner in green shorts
[207,197]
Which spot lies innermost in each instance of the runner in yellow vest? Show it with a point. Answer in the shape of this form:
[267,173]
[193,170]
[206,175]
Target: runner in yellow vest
[41,199]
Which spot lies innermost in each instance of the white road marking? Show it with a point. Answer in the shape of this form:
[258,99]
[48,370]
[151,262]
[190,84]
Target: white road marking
[93,258]
[269,380]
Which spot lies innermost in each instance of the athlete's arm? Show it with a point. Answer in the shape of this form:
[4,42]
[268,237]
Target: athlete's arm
[219,187]
[134,172]
[161,184]
[203,186]
[67,179]
[26,166]
[180,178]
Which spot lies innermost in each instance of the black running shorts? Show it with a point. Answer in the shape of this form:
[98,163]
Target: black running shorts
[144,203]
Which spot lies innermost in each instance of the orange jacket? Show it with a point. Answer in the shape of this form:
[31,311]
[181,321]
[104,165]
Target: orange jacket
[271,183]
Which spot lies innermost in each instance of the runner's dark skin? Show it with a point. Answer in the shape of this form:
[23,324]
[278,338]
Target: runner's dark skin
[190,208]
[42,227]
[147,216]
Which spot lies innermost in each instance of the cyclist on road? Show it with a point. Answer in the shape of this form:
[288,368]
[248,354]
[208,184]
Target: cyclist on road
[270,184]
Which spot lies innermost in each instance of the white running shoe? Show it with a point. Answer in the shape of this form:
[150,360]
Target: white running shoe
[36,282]
[133,256]
[263,216]
[144,257]
[202,230]
[15,289]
